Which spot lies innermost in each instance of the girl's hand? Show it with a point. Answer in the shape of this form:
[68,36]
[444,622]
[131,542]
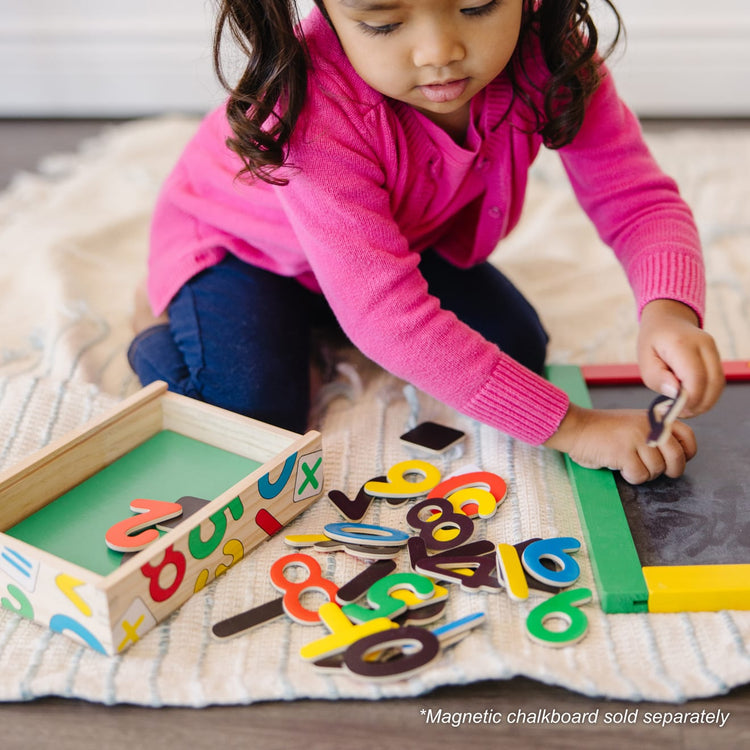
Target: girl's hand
[672,349]
[616,439]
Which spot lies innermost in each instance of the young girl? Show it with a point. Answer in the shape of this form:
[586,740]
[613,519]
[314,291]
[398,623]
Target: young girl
[363,169]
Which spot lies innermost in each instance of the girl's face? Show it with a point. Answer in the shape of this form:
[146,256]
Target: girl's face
[432,54]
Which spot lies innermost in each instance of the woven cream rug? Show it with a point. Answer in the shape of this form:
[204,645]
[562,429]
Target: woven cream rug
[72,247]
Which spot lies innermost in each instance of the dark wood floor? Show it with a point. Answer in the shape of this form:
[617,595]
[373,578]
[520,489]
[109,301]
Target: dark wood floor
[313,725]
[24,142]
[74,725]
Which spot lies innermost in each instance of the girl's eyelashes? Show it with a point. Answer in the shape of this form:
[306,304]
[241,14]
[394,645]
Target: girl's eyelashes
[389,28]
[378,30]
[481,10]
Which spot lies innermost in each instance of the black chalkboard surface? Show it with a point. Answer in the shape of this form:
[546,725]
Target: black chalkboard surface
[702,518]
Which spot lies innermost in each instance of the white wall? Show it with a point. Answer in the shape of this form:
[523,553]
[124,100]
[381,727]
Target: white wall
[685,57]
[105,57]
[132,57]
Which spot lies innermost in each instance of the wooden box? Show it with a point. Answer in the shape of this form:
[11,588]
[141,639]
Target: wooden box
[255,479]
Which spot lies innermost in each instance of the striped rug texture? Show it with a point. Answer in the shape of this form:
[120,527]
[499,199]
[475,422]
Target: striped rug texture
[73,243]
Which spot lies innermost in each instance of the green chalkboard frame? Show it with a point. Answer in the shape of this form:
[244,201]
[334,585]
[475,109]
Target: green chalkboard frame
[614,559]
[624,585]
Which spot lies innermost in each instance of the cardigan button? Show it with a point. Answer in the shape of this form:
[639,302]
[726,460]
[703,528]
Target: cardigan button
[495,212]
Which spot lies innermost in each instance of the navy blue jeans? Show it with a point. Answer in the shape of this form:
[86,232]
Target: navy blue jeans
[241,338]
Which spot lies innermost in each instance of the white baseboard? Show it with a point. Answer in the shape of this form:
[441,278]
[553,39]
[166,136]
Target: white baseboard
[686,66]
[85,71]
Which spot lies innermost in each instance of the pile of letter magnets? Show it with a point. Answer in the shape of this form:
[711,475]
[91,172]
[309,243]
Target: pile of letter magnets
[387,637]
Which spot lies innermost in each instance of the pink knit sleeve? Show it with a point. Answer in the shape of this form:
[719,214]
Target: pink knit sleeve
[636,208]
[342,217]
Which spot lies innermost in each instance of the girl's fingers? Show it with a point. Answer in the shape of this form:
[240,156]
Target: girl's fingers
[658,376]
[701,374]
[670,459]
[655,462]
[675,458]
[685,436]
[714,380]
[635,472]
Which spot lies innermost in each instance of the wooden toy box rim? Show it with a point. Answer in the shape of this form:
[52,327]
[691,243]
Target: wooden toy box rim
[50,472]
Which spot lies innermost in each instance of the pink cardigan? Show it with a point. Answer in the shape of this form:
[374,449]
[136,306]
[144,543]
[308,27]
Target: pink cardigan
[374,183]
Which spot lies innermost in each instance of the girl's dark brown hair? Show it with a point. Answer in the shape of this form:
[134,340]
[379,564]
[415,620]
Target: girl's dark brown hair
[265,102]
[568,39]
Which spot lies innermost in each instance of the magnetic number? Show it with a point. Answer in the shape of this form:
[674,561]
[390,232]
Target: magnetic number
[293,590]
[511,571]
[353,510]
[454,631]
[472,572]
[531,581]
[365,534]
[471,565]
[418,550]
[555,549]
[415,648]
[363,551]
[263,613]
[124,536]
[397,484]
[562,607]
[200,549]
[474,493]
[381,601]
[153,572]
[304,540]
[343,632]
[248,619]
[414,602]
[458,526]
[464,502]
[357,586]
[426,613]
